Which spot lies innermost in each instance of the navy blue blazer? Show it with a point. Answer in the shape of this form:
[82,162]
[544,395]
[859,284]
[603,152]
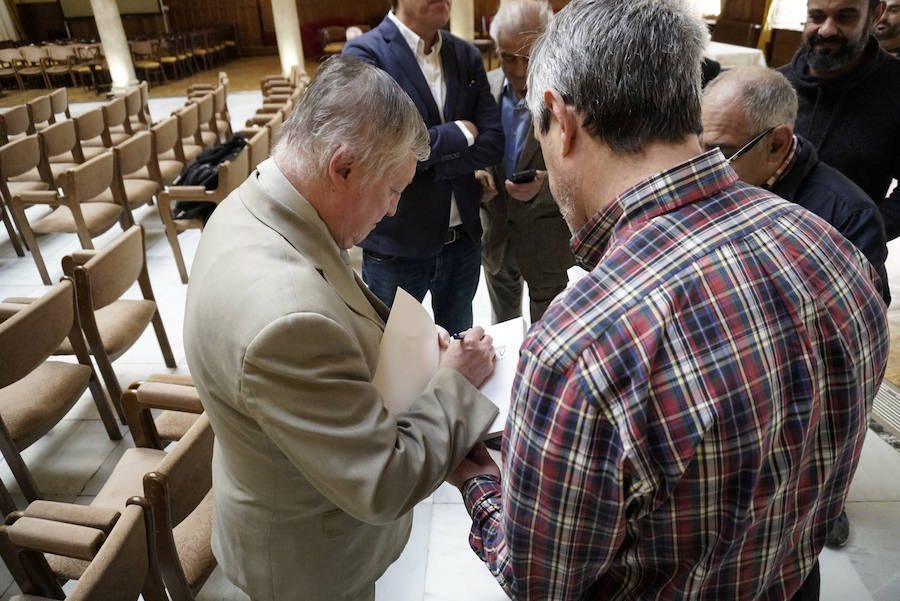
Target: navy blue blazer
[419,227]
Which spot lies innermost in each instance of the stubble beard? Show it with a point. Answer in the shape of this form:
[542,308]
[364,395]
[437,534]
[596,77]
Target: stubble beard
[837,59]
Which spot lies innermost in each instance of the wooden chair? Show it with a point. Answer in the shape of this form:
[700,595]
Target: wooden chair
[34,393]
[163,139]
[75,209]
[60,62]
[60,150]
[112,324]
[89,129]
[92,69]
[130,189]
[188,132]
[40,112]
[115,121]
[59,102]
[10,61]
[146,59]
[207,133]
[259,148]
[168,55]
[33,63]
[173,395]
[17,159]
[231,175]
[14,123]
[144,87]
[197,40]
[134,112]
[120,562]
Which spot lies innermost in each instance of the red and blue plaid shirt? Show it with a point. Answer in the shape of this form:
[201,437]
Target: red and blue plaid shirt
[687,418]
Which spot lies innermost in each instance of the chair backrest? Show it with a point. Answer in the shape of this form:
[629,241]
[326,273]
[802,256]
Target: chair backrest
[114,112]
[219,99]
[111,271]
[59,102]
[205,108]
[187,121]
[89,125]
[133,153]
[19,156]
[61,53]
[274,125]
[165,135]
[35,331]
[259,148]
[10,55]
[33,54]
[233,173]
[145,100]
[13,122]
[40,110]
[60,138]
[89,179]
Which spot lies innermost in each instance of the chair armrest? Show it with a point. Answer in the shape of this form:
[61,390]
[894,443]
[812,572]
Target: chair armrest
[7,310]
[44,197]
[258,120]
[100,518]
[80,257]
[141,397]
[59,538]
[185,192]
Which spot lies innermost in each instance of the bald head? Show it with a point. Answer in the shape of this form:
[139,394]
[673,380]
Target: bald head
[741,104]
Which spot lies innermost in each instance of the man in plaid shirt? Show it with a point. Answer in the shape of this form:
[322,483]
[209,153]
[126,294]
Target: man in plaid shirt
[687,418]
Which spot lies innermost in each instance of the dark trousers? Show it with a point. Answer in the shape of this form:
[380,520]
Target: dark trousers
[810,589]
[505,291]
[451,276]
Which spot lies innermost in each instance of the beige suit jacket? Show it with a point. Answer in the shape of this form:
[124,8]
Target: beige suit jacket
[534,232]
[313,480]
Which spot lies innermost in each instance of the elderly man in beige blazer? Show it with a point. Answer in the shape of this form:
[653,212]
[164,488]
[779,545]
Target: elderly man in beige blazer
[525,237]
[313,480]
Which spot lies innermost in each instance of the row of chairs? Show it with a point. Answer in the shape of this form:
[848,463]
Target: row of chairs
[93,176]
[51,63]
[178,55]
[22,119]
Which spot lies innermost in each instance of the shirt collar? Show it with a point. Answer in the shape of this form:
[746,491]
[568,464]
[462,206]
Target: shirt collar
[698,178]
[414,41]
[509,93]
[784,167]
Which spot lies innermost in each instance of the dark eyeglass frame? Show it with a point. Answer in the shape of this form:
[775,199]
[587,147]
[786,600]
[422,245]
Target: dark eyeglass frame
[749,145]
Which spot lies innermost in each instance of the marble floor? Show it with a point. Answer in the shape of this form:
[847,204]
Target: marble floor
[74,459]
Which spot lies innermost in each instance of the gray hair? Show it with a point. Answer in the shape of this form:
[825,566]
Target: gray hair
[768,98]
[355,106]
[630,69]
[521,16]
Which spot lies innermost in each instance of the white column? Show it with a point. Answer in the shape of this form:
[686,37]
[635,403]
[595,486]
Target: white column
[462,19]
[115,45]
[287,32]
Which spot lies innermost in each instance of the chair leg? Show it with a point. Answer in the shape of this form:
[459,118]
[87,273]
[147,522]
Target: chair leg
[102,404]
[31,243]
[19,469]
[11,231]
[7,505]
[111,381]
[163,340]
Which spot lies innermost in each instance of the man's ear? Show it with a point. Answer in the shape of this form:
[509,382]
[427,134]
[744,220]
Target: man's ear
[779,143]
[339,168]
[565,118]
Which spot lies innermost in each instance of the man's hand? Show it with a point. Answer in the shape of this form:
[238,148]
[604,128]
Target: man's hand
[472,356]
[477,463]
[526,192]
[486,183]
[471,127]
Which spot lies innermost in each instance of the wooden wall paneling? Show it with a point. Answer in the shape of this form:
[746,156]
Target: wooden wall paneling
[42,21]
[752,11]
[783,46]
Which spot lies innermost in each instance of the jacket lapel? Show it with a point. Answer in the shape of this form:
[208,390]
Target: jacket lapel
[529,149]
[450,66]
[408,69]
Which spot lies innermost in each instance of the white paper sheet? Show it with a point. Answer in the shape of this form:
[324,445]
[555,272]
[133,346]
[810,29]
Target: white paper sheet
[410,356]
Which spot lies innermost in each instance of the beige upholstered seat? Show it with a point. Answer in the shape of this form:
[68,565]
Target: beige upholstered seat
[164,140]
[188,125]
[114,115]
[33,63]
[130,190]
[89,131]
[134,109]
[111,547]
[34,393]
[60,149]
[74,208]
[231,175]
[61,62]
[209,135]
[111,325]
[220,111]
[40,112]
[10,61]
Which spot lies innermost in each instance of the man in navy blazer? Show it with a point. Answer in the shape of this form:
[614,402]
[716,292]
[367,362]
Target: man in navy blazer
[433,241]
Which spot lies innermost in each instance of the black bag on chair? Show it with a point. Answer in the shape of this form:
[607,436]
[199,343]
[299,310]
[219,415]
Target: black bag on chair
[204,171]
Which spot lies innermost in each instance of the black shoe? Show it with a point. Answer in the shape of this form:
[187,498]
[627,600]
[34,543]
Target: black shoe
[494,443]
[839,533]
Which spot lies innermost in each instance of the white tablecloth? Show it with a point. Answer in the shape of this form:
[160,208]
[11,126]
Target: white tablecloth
[730,55]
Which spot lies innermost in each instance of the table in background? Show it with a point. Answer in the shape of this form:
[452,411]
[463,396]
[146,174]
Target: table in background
[730,55]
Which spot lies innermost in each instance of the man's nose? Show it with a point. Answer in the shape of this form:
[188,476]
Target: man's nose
[828,28]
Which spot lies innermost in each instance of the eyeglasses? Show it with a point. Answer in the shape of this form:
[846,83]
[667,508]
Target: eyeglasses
[748,146]
[508,57]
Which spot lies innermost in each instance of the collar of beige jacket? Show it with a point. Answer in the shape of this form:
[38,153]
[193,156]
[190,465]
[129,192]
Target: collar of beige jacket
[299,223]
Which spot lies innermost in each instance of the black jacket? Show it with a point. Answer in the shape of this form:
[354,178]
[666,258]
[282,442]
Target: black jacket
[854,124]
[824,191]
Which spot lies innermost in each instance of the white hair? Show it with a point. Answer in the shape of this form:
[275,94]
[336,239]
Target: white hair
[768,98]
[521,16]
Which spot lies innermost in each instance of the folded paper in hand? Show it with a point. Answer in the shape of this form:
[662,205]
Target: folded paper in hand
[409,357]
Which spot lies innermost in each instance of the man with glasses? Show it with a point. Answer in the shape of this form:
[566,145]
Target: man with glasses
[742,102]
[525,237]
[686,419]
[848,89]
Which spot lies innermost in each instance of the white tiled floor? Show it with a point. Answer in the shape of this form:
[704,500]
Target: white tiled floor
[71,462]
